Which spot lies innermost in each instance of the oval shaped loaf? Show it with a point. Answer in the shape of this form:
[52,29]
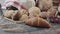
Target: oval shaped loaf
[39,22]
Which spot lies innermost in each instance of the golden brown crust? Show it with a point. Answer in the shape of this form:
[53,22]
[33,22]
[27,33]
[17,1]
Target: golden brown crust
[39,22]
[16,16]
[43,23]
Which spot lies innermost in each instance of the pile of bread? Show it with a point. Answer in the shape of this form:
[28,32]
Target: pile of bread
[34,16]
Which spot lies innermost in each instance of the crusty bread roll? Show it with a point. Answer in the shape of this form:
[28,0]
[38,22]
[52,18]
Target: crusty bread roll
[8,13]
[43,14]
[52,12]
[24,18]
[39,22]
[45,4]
[34,11]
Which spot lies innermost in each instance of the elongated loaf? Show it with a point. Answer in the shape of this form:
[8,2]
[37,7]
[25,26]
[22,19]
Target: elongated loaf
[39,22]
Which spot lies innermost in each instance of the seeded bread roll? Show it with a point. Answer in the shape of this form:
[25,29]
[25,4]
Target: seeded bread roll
[38,22]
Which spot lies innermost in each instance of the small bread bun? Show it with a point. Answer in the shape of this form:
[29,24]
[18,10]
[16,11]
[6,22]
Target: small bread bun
[52,12]
[24,18]
[8,13]
[38,22]
[43,14]
[34,11]
[23,11]
[19,13]
[45,4]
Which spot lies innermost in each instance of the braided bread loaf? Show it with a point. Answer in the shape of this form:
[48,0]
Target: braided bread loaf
[39,22]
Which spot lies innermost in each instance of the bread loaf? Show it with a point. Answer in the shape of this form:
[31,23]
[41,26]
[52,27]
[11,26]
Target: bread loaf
[39,22]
